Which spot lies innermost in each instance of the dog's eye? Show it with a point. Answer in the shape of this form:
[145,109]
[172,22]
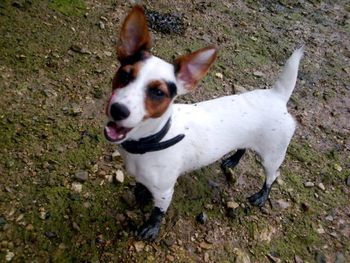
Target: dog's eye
[156,93]
[125,77]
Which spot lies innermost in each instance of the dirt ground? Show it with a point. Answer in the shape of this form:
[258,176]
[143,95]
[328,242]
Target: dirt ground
[59,199]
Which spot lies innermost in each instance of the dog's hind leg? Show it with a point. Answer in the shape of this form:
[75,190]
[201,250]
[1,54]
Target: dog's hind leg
[231,162]
[142,195]
[271,163]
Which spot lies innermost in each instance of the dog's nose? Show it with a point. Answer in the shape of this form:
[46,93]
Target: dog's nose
[119,111]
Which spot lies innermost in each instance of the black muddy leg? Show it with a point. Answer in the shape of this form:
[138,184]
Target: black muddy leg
[142,195]
[260,198]
[231,162]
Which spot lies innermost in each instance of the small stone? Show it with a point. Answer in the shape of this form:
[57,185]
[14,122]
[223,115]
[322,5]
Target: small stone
[280,182]
[119,176]
[258,74]
[205,245]
[104,18]
[29,227]
[76,110]
[129,198]
[116,153]
[77,187]
[94,168]
[170,258]
[239,89]
[42,215]
[219,75]
[320,230]
[348,181]
[338,167]
[50,235]
[273,258]
[309,184]
[108,53]
[241,256]
[339,258]
[320,257]
[282,204]
[81,176]
[209,206]
[232,204]
[202,218]
[9,255]
[321,186]
[2,221]
[101,25]
[76,226]
[139,246]
[109,178]
[329,218]
[206,257]
[297,259]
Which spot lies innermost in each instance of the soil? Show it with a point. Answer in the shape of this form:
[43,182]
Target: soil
[57,59]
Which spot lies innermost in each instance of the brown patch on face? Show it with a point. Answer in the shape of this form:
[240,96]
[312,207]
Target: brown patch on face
[157,98]
[125,75]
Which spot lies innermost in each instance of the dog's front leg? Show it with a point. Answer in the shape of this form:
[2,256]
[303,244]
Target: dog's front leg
[162,199]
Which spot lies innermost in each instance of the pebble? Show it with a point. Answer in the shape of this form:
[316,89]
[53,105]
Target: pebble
[94,168]
[119,176]
[202,218]
[9,255]
[2,221]
[321,186]
[309,184]
[50,235]
[219,75]
[258,74]
[282,204]
[81,176]
[338,167]
[320,257]
[205,245]
[102,25]
[239,89]
[232,204]
[108,53]
[206,257]
[129,198]
[139,246]
[116,153]
[77,187]
[320,230]
[329,218]
[241,256]
[339,258]
[297,259]
[348,181]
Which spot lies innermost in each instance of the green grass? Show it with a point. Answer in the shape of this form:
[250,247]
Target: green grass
[69,7]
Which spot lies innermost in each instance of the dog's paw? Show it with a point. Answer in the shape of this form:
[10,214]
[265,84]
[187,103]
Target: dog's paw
[260,198]
[149,231]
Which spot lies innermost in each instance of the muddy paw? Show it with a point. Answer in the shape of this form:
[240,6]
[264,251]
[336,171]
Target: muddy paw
[149,232]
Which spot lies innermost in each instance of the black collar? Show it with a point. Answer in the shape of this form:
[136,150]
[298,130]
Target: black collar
[152,143]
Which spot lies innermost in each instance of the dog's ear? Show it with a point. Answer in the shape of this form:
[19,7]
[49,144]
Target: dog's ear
[134,34]
[191,68]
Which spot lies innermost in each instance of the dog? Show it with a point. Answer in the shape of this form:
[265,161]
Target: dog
[160,140]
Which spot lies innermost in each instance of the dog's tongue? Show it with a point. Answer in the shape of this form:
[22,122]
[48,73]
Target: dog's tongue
[115,133]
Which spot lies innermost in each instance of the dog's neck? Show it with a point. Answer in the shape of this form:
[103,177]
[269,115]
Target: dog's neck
[150,126]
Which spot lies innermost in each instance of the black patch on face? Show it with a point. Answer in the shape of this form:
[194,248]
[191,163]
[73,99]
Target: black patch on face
[130,60]
[172,88]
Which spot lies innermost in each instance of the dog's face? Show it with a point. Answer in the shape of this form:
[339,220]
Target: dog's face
[144,86]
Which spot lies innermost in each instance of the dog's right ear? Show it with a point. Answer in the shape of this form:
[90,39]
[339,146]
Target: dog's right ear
[191,68]
[134,34]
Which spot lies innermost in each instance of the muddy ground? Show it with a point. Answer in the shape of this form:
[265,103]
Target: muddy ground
[59,200]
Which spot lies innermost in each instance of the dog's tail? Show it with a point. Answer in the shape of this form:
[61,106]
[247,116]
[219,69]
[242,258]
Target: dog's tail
[287,79]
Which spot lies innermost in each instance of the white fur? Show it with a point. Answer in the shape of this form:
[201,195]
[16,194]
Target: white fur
[257,120]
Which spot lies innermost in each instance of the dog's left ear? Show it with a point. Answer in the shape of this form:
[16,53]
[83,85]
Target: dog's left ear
[191,68]
[134,34]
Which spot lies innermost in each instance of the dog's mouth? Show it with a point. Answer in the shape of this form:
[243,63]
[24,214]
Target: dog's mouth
[115,133]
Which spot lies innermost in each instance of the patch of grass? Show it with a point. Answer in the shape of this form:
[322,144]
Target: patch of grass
[68,7]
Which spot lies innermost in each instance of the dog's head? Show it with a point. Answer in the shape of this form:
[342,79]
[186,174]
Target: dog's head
[144,86]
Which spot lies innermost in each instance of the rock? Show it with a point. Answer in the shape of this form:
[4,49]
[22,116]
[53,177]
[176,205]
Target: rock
[108,53]
[339,258]
[42,215]
[77,187]
[273,258]
[338,167]
[139,246]
[206,257]
[258,74]
[282,204]
[232,204]
[76,226]
[298,259]
[109,178]
[239,89]
[205,245]
[202,218]
[348,181]
[81,176]
[309,184]
[2,221]
[78,49]
[76,110]
[241,256]
[321,186]
[9,255]
[320,257]
[29,227]
[219,75]
[119,176]
[329,218]
[266,234]
[129,198]
[101,25]
[320,230]
[94,168]
[116,153]
[50,235]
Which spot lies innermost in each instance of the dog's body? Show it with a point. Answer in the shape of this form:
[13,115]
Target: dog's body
[209,130]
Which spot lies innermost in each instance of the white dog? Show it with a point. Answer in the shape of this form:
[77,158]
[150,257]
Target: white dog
[161,140]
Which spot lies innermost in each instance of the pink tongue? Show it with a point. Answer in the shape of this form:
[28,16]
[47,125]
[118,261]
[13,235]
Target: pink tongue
[114,132]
